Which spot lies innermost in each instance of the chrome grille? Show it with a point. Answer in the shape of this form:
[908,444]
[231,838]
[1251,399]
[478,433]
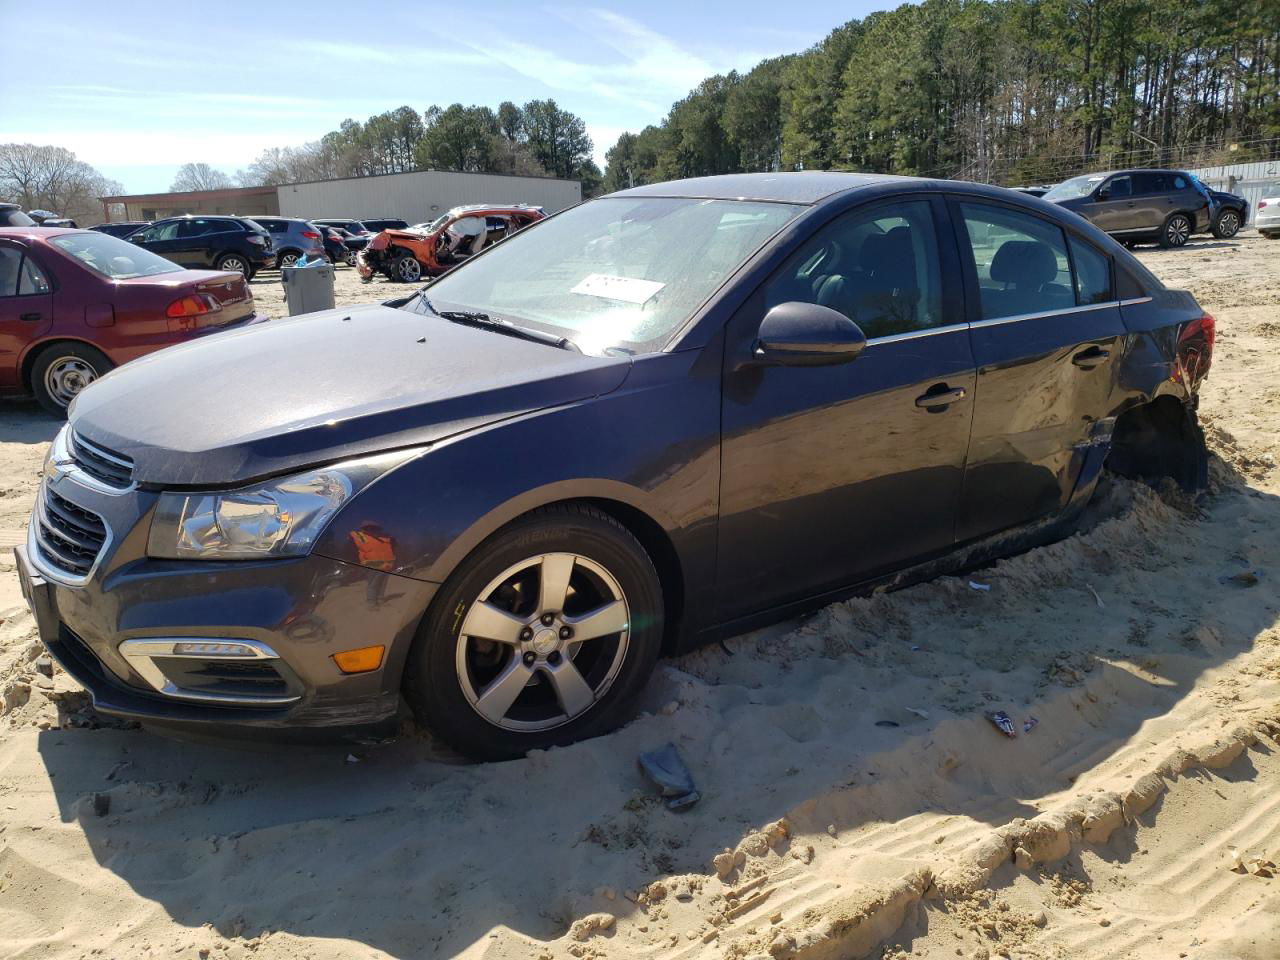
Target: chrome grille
[69,536]
[106,466]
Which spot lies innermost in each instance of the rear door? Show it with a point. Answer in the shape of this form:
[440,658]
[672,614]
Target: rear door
[1046,336]
[26,308]
[831,475]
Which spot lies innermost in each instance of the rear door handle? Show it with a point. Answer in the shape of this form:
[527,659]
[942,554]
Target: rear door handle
[1093,357]
[940,397]
[30,317]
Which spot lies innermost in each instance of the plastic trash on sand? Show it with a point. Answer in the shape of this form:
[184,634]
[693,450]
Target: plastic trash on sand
[1002,723]
[665,768]
[974,585]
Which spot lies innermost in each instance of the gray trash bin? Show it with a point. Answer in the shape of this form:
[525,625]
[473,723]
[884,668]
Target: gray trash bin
[307,289]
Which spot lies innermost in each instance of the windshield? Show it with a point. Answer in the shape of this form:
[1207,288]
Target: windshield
[617,273]
[112,257]
[1075,187]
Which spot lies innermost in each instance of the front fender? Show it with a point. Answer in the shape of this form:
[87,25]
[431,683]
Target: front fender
[652,445]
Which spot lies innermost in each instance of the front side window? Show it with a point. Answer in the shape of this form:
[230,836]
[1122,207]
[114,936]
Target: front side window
[1119,187]
[1074,188]
[1093,273]
[161,231]
[112,257]
[619,273]
[878,267]
[1020,260]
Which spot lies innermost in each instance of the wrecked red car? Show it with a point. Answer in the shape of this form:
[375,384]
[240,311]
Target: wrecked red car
[430,249]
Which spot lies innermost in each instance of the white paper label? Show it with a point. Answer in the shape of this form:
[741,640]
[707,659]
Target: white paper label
[625,289]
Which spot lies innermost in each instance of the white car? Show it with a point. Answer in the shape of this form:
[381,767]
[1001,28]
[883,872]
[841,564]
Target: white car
[1267,218]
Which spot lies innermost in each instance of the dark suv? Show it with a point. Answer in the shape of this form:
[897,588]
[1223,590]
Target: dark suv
[1137,206]
[657,418]
[219,243]
[11,215]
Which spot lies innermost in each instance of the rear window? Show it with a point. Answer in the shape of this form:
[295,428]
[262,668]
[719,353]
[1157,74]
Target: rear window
[13,217]
[112,257]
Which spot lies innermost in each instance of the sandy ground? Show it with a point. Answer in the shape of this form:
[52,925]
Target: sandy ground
[855,800]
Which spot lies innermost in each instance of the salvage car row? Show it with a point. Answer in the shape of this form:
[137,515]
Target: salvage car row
[621,432]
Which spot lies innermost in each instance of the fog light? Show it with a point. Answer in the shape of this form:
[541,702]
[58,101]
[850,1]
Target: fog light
[360,660]
[212,649]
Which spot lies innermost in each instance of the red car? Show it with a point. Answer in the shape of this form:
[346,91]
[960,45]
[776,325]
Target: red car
[75,303]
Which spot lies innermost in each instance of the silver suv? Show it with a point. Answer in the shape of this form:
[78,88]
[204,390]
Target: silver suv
[1139,206]
[11,215]
[293,238]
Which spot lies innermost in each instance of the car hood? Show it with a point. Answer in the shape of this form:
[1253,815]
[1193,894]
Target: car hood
[283,395]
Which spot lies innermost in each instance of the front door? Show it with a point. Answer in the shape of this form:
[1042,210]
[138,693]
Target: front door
[1046,341]
[832,475]
[26,309]
[160,238]
[1115,208]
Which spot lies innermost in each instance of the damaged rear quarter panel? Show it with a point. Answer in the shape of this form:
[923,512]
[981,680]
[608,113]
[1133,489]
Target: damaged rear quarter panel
[1150,364]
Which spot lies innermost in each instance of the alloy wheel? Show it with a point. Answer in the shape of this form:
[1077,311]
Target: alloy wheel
[542,642]
[408,269]
[1178,231]
[236,264]
[66,377]
[288,260]
[1229,223]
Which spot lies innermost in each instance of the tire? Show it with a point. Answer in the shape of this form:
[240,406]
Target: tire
[454,676]
[1227,223]
[287,259]
[1176,230]
[62,370]
[350,258]
[405,268]
[234,261]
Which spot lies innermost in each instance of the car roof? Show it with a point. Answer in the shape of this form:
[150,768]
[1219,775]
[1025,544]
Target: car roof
[806,187]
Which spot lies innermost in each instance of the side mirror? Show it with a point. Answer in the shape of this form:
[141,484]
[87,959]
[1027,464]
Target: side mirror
[799,334]
[1104,193]
[136,239]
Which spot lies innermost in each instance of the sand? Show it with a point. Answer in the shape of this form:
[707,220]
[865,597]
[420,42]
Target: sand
[856,802]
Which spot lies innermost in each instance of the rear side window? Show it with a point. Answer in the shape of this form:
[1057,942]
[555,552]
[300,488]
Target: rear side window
[201,227]
[878,267]
[274,226]
[1180,183]
[1020,260]
[20,276]
[1093,273]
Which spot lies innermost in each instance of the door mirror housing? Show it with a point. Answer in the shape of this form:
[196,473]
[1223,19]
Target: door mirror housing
[797,334]
[1104,192]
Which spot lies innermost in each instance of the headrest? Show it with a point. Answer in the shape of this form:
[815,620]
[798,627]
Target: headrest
[1026,263]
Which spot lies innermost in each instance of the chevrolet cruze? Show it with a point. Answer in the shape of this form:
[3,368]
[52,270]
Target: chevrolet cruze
[662,416]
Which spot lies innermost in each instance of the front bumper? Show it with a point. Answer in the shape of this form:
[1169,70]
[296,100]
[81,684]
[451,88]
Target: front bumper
[300,610]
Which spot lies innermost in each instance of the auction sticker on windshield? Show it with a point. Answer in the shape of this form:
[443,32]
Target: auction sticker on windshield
[625,289]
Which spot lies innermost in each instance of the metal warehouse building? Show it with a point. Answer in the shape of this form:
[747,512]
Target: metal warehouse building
[417,197]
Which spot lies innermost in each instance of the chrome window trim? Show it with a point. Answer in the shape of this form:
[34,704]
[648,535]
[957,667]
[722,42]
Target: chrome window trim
[104,454]
[1085,308]
[915,334]
[141,653]
[1134,301]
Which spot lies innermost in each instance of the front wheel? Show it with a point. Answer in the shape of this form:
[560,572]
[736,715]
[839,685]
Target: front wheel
[1176,231]
[406,268]
[350,258]
[544,636]
[61,371]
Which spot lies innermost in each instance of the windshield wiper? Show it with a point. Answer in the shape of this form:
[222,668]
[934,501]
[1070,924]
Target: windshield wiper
[474,318]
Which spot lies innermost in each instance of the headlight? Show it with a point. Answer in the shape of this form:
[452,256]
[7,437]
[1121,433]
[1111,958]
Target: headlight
[277,518]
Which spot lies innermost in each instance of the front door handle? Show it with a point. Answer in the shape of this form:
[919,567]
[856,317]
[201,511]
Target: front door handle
[1093,357]
[939,397]
[30,317]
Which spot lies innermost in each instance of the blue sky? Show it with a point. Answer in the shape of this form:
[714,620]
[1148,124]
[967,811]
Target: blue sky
[138,89]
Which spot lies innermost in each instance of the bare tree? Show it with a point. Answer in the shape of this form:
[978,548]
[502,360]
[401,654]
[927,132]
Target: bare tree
[199,176]
[51,178]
